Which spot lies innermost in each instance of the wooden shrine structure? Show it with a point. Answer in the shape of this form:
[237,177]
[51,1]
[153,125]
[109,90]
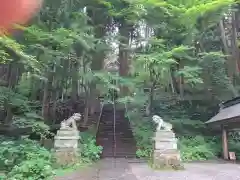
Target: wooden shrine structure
[227,119]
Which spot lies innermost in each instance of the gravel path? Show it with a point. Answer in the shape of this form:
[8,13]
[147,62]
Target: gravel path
[122,169]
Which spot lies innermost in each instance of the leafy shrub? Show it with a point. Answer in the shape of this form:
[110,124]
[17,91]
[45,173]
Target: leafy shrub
[197,148]
[234,143]
[184,126]
[143,131]
[33,120]
[144,153]
[15,152]
[89,150]
[143,136]
[24,159]
[34,169]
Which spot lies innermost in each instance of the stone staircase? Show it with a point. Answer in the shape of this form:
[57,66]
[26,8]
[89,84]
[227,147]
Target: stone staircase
[122,143]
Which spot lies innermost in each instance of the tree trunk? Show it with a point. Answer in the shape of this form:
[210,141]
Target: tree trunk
[124,31]
[75,76]
[34,88]
[86,110]
[150,100]
[96,65]
[54,97]
[47,97]
[235,49]
[12,81]
[100,23]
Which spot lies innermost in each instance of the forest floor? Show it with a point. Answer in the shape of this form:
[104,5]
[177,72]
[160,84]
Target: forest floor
[123,169]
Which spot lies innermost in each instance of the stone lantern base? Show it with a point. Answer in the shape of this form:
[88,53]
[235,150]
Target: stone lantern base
[67,156]
[166,154]
[167,159]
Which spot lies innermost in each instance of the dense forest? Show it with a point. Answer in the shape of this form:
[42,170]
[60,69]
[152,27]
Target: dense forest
[175,58]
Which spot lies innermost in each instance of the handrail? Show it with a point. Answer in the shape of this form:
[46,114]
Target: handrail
[114,126]
[99,118]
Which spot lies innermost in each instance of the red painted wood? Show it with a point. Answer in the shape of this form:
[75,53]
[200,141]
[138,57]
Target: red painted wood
[16,12]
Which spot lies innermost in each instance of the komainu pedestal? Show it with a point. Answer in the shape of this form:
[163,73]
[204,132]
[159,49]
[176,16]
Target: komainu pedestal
[66,143]
[166,154]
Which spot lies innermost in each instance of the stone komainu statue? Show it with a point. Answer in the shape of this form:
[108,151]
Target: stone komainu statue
[161,124]
[71,121]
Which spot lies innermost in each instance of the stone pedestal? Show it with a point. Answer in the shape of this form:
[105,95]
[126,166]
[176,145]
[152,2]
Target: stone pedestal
[66,146]
[65,157]
[166,154]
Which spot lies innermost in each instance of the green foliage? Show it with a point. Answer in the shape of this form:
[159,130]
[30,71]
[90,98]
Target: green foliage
[34,121]
[197,148]
[89,150]
[12,48]
[185,126]
[213,64]
[13,153]
[16,100]
[25,159]
[32,169]
[175,50]
[143,131]
[154,62]
[234,143]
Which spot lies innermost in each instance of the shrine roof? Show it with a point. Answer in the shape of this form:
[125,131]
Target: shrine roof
[229,110]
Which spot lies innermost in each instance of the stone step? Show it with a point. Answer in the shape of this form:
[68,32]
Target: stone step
[118,126]
[111,133]
[123,139]
[121,128]
[122,142]
[120,139]
[102,131]
[118,155]
[121,125]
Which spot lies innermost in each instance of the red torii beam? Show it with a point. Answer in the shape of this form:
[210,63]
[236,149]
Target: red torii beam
[16,12]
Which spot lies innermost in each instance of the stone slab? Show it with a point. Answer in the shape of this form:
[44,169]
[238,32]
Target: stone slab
[67,143]
[67,132]
[167,134]
[165,131]
[67,137]
[166,145]
[166,151]
[165,139]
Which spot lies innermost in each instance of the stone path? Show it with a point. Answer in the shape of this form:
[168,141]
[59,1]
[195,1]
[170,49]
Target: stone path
[106,169]
[122,169]
[193,171]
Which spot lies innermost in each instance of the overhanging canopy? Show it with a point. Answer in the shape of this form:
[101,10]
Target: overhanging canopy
[226,113]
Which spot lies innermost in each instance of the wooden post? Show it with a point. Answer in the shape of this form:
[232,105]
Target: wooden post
[224,143]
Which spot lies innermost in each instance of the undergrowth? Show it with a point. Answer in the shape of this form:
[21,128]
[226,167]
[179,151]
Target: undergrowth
[194,141]
[24,159]
[143,131]
[89,150]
